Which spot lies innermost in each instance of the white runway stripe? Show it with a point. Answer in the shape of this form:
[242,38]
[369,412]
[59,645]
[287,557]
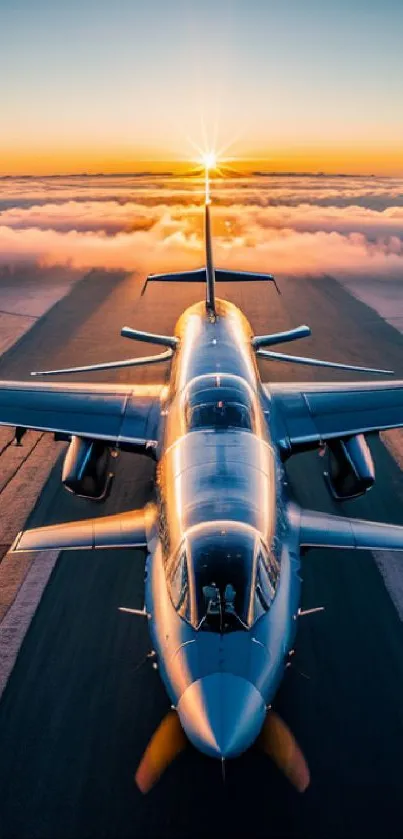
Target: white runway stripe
[17,619]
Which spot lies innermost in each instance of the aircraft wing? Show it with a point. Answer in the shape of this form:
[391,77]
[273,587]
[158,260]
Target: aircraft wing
[304,415]
[319,530]
[121,530]
[114,413]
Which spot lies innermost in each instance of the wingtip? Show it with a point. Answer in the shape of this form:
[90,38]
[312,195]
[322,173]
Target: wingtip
[14,548]
[36,373]
[379,372]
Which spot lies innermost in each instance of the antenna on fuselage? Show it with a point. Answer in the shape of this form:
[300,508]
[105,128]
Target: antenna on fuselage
[210,274]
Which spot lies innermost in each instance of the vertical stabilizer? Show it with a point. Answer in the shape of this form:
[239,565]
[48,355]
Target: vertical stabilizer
[210,276]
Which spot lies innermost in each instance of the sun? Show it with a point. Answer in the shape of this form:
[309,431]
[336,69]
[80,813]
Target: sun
[209,160]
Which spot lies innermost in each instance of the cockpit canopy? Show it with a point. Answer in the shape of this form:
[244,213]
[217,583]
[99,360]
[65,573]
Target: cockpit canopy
[219,402]
[222,578]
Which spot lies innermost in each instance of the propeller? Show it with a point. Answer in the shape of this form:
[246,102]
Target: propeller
[317,362]
[110,365]
[277,741]
[168,741]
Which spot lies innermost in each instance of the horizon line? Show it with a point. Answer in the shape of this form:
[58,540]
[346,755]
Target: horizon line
[172,174]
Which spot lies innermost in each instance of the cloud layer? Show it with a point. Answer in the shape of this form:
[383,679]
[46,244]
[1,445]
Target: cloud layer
[300,225]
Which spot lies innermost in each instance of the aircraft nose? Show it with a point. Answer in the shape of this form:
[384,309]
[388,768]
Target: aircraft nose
[222,714]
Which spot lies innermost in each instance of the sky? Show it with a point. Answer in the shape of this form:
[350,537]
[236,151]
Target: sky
[96,85]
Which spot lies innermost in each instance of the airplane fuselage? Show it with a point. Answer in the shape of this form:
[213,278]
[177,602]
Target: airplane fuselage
[222,584]
[223,538]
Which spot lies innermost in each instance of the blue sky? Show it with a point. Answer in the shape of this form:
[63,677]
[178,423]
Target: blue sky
[95,80]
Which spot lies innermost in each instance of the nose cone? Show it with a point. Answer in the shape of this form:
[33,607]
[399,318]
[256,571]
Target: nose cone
[222,714]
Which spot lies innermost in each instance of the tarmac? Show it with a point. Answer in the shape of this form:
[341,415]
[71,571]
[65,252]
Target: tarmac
[78,709]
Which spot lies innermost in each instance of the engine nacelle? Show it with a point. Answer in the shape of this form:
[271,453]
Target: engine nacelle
[86,468]
[351,469]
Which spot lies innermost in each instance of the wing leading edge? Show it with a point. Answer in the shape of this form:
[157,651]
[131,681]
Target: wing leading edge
[117,414]
[304,415]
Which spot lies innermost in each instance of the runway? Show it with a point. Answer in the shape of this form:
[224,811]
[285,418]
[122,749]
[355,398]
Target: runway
[78,713]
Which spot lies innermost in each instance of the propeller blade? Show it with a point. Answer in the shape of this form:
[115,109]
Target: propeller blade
[277,741]
[280,337]
[317,362]
[168,741]
[109,365]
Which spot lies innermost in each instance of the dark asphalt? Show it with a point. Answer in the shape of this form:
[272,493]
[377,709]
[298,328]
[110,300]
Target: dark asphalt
[77,715]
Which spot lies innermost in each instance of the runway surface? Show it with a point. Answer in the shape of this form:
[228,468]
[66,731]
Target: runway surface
[77,714]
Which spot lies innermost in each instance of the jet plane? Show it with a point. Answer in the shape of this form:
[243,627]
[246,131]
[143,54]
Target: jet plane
[222,536]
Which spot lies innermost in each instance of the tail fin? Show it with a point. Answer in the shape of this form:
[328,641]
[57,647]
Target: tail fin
[209,275]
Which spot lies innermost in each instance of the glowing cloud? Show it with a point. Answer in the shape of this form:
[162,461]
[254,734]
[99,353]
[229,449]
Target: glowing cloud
[287,225]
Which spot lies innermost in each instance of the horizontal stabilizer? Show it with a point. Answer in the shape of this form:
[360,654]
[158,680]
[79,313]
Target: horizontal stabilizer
[124,530]
[319,530]
[200,276]
[227,276]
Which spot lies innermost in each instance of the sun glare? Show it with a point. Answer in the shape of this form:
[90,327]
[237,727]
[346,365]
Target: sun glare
[209,160]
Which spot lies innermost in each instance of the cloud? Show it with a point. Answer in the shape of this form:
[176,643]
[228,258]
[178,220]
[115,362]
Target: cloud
[259,249]
[141,251]
[374,193]
[107,216]
[112,217]
[274,224]
[311,217]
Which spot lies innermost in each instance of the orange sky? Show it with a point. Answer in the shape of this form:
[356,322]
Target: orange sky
[299,86]
[380,161]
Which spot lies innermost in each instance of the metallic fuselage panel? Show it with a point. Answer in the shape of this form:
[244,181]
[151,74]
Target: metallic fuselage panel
[215,476]
[209,475]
